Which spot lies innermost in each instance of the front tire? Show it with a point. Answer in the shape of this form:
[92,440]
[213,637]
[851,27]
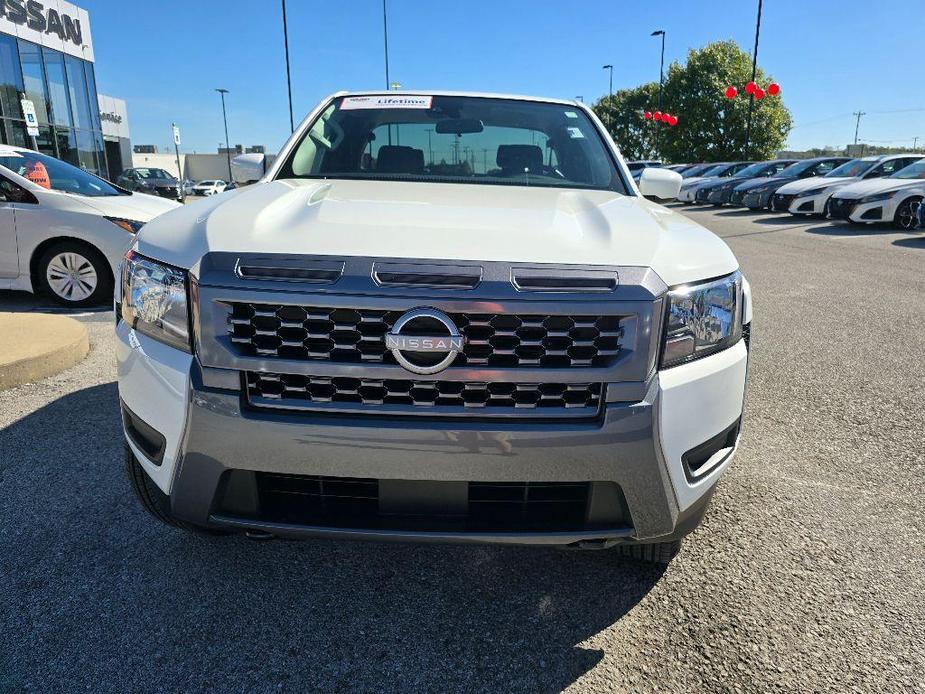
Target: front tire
[154,501]
[905,217]
[75,275]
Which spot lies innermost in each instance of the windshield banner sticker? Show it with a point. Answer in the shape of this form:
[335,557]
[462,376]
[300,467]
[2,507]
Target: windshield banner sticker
[351,103]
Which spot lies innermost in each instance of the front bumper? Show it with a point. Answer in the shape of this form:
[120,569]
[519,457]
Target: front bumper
[688,194]
[861,212]
[636,448]
[809,204]
[756,201]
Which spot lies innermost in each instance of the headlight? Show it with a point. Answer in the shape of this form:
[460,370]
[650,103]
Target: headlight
[702,319]
[130,225]
[879,196]
[764,189]
[812,191]
[154,300]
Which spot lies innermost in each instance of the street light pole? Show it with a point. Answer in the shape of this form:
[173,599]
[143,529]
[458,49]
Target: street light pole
[385,35]
[288,77]
[751,97]
[609,96]
[227,141]
[661,82]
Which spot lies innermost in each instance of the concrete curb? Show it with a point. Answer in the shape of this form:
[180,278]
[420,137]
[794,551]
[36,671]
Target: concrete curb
[34,346]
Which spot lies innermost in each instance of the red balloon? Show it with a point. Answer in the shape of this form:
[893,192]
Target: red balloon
[731,92]
[647,115]
[751,88]
[674,121]
[774,89]
[657,115]
[759,93]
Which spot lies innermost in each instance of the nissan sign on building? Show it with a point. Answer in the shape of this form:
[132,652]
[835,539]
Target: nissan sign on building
[47,66]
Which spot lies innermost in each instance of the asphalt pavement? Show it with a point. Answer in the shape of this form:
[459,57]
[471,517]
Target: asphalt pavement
[807,574]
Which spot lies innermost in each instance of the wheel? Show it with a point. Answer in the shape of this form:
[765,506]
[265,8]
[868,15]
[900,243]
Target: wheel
[154,500]
[654,553]
[905,217]
[75,274]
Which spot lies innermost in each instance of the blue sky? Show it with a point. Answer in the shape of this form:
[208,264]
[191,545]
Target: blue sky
[832,57]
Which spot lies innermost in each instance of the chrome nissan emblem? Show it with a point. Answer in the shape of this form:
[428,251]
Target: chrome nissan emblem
[418,345]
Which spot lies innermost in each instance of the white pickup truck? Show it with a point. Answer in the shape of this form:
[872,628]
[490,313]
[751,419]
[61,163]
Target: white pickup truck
[436,316]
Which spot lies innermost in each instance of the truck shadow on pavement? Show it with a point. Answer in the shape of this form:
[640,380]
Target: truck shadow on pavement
[102,597]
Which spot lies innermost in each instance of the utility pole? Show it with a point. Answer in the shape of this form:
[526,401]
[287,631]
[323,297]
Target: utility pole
[385,35]
[288,77]
[176,149]
[915,141]
[661,82]
[609,97]
[857,124]
[751,97]
[227,141]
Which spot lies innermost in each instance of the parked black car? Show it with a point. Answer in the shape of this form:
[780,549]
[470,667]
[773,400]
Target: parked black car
[720,191]
[759,195]
[151,181]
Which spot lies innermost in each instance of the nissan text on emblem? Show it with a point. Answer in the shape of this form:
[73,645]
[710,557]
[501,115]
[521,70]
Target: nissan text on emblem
[424,341]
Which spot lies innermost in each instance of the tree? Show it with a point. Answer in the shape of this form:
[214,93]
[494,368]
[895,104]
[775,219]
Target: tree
[622,116]
[710,126]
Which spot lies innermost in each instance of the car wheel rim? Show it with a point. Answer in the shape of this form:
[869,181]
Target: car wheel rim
[71,276]
[906,217]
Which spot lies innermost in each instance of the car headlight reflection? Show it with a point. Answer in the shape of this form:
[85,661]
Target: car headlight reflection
[155,300]
[878,197]
[702,319]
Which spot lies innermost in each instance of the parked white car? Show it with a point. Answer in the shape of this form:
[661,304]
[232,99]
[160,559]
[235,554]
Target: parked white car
[892,199]
[811,196]
[210,187]
[370,325]
[64,231]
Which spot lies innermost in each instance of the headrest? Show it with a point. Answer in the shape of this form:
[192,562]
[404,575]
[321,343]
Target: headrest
[520,157]
[398,159]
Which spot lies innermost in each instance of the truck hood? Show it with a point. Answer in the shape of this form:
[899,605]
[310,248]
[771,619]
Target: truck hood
[877,185]
[137,206]
[802,184]
[438,221]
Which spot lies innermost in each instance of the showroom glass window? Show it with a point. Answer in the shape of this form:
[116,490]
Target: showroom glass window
[63,90]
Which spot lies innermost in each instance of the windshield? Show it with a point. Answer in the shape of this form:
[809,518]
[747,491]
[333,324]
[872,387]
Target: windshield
[916,170]
[454,139]
[696,170]
[206,183]
[851,169]
[762,168]
[55,174]
[152,173]
[716,170]
[794,170]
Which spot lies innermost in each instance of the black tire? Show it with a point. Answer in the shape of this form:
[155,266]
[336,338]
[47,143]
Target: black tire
[654,553]
[905,217]
[154,500]
[102,291]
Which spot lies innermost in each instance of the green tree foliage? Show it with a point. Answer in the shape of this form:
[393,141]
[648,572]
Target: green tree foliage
[710,127]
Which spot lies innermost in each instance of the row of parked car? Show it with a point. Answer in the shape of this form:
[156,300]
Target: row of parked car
[155,181]
[868,190]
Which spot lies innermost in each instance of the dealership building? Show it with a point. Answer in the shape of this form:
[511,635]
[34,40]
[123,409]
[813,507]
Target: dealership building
[47,65]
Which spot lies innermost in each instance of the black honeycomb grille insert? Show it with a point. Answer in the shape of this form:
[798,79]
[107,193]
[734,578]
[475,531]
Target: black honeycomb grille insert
[358,336]
[295,390]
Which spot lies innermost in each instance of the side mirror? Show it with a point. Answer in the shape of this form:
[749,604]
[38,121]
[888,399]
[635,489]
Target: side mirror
[660,184]
[247,168]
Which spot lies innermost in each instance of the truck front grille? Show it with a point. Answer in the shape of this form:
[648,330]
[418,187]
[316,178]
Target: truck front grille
[347,335]
[293,391]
